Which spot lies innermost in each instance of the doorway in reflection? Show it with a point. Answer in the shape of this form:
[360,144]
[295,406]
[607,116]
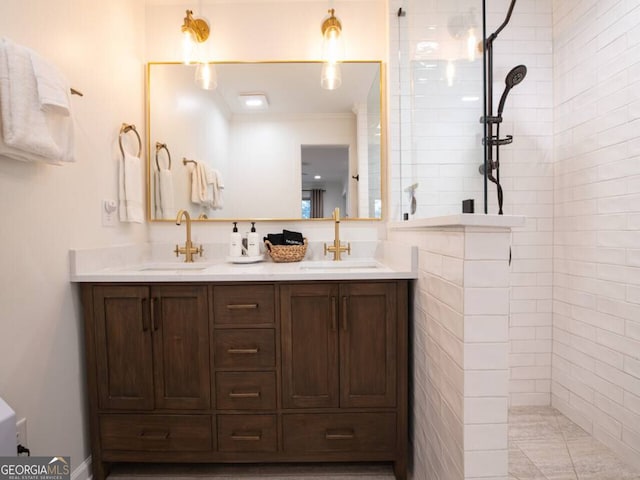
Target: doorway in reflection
[326,181]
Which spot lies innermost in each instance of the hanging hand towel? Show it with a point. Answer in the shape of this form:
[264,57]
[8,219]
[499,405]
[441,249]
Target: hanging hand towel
[164,194]
[130,189]
[199,188]
[53,88]
[214,178]
[28,132]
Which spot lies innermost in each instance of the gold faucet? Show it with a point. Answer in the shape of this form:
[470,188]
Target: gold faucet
[188,250]
[337,248]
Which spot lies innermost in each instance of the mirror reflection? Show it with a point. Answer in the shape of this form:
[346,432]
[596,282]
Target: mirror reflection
[267,143]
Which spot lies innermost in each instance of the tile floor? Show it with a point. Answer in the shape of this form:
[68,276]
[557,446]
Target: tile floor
[546,445]
[543,445]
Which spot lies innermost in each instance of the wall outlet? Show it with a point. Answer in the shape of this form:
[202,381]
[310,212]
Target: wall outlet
[109,213]
[21,432]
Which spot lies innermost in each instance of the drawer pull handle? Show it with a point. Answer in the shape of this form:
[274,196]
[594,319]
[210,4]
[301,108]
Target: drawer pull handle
[243,351]
[247,437]
[339,436]
[154,435]
[244,394]
[242,306]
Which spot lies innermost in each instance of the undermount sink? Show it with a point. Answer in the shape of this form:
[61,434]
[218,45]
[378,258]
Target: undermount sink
[330,264]
[172,267]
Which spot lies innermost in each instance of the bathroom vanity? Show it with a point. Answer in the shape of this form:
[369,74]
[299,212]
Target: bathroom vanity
[288,370]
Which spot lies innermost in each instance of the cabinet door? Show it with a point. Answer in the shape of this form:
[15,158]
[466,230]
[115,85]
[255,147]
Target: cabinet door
[123,347]
[368,345]
[310,372]
[179,318]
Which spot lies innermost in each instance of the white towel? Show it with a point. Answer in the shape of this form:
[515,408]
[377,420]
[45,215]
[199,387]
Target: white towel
[53,88]
[199,193]
[29,133]
[206,186]
[130,189]
[163,187]
[214,178]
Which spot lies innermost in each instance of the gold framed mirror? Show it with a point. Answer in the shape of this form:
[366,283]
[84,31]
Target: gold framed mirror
[306,152]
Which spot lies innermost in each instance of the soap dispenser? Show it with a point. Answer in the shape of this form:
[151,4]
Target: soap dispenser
[253,242]
[235,242]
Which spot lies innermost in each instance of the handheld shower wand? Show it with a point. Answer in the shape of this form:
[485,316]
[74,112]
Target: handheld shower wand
[514,77]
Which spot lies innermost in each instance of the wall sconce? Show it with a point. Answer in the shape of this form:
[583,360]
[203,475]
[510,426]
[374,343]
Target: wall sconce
[332,52]
[195,31]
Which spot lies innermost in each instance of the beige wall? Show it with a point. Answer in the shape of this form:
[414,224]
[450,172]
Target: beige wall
[99,46]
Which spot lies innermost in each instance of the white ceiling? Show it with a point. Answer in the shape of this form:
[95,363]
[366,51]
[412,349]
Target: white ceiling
[294,88]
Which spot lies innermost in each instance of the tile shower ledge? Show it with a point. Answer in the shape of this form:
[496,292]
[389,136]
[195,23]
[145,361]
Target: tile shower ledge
[461,220]
[148,263]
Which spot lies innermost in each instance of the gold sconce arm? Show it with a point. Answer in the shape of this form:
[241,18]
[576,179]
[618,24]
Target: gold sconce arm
[197,27]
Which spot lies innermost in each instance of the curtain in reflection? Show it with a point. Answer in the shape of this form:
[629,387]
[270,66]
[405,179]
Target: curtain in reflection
[317,203]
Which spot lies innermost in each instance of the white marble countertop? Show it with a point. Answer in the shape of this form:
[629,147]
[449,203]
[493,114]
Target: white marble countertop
[143,263]
[461,220]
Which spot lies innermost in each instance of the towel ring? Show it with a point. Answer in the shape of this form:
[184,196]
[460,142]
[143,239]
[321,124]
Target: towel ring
[126,128]
[160,146]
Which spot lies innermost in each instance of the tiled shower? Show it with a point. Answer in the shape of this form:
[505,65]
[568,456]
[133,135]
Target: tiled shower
[573,170]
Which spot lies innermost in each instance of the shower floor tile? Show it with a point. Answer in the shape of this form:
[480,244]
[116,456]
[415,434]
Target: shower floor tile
[546,445]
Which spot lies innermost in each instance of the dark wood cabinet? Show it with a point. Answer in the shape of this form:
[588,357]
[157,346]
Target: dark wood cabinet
[309,323]
[148,336]
[339,345]
[247,372]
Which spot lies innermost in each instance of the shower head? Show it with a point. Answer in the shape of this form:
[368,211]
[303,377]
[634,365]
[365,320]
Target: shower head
[514,77]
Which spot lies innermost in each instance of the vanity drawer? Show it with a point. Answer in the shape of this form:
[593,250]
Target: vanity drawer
[147,433]
[243,305]
[246,390]
[245,348]
[341,432]
[247,433]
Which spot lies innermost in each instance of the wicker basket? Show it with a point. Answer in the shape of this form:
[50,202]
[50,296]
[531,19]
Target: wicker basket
[286,253]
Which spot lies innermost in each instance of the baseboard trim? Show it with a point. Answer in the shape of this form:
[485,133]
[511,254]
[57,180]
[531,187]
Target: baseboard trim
[83,472]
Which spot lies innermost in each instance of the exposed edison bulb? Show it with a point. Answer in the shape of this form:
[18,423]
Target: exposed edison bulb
[206,77]
[331,76]
[188,48]
[472,42]
[450,73]
[332,45]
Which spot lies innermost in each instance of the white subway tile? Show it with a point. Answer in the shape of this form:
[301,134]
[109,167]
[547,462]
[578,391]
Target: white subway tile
[484,463]
[485,328]
[486,301]
[486,273]
[486,356]
[481,410]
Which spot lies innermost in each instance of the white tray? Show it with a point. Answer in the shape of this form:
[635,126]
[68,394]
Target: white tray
[246,259]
